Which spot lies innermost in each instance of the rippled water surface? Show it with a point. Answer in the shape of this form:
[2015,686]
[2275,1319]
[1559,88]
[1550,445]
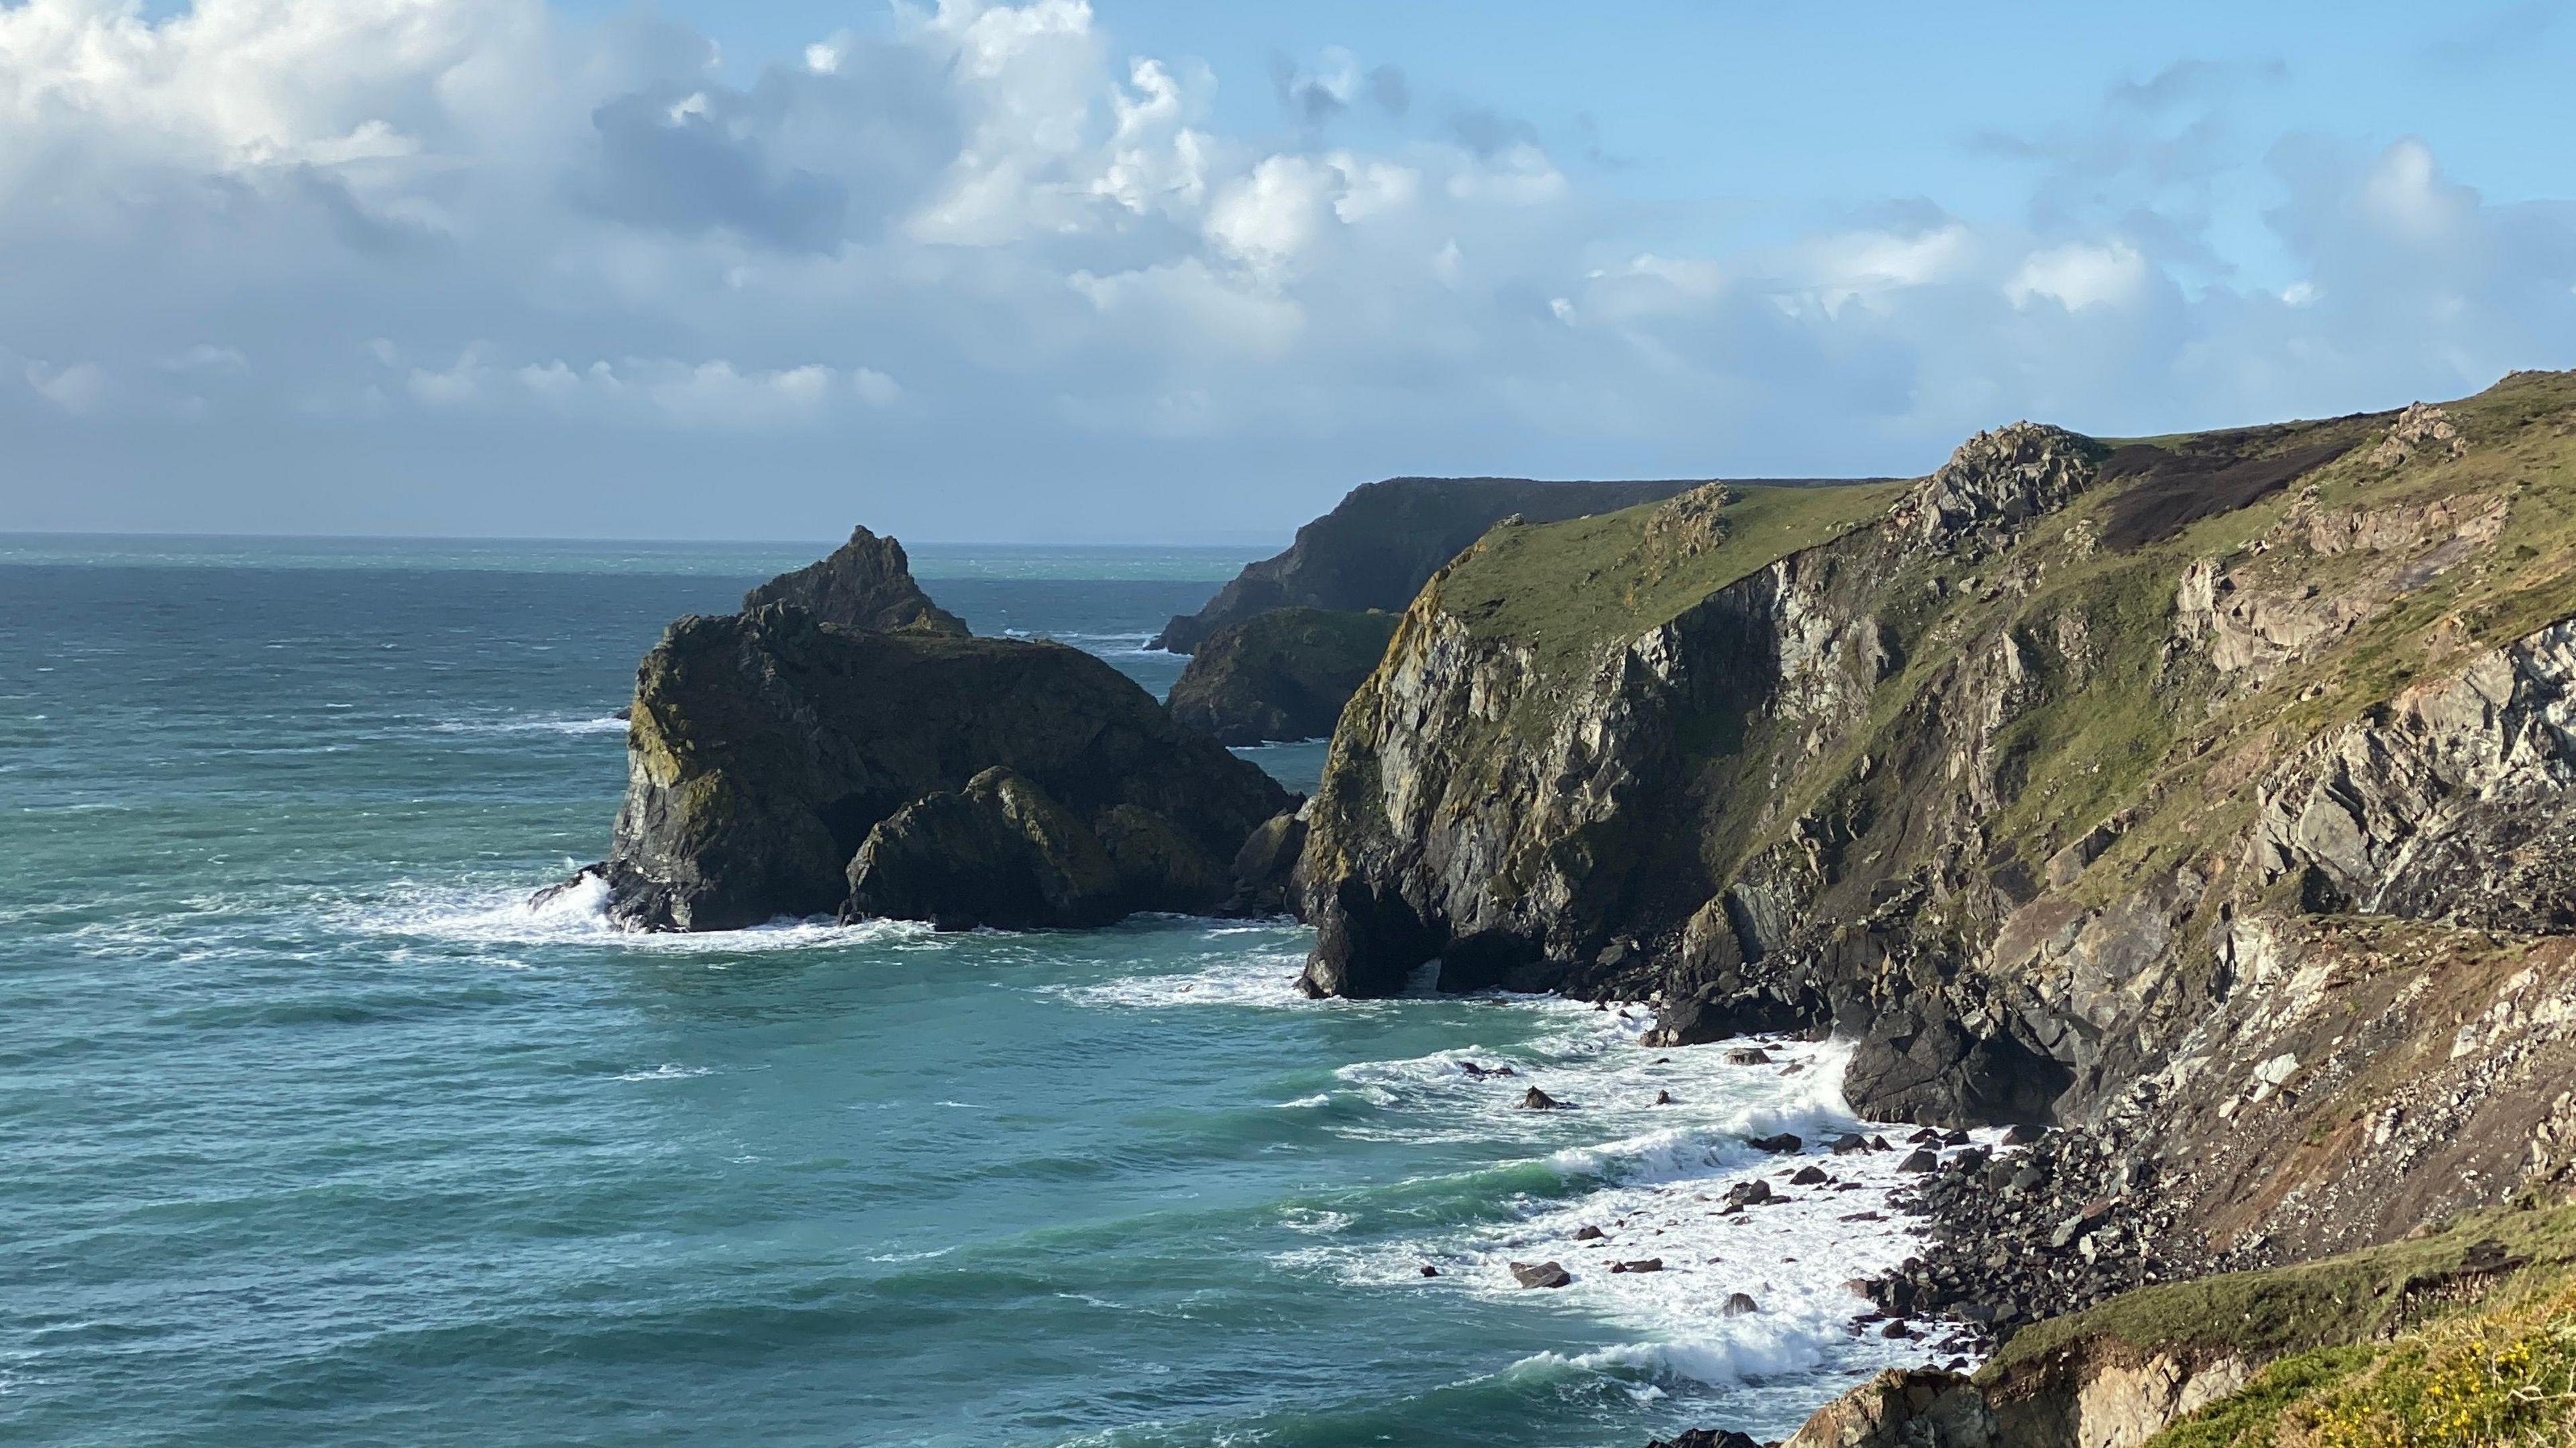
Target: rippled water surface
[315,1134]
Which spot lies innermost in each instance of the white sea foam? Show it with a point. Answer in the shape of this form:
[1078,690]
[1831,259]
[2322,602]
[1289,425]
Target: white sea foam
[534,724]
[578,915]
[1657,1178]
[1255,978]
[667,1072]
[912,1256]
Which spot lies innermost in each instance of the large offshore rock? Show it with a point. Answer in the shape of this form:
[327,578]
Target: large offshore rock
[765,747]
[864,584]
[1280,675]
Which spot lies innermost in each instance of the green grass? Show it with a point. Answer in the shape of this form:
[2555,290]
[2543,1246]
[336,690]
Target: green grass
[2335,1301]
[1569,589]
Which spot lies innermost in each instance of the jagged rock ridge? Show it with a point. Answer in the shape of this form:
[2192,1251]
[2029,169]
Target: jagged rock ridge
[864,584]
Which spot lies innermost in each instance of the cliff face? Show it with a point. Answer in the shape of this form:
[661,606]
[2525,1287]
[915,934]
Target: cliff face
[771,757]
[1379,543]
[865,584]
[2205,792]
[1279,675]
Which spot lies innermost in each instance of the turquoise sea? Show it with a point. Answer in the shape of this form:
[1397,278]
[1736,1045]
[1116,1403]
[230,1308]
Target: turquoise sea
[312,1132]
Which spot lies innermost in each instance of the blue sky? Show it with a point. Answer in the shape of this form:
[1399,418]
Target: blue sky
[1142,269]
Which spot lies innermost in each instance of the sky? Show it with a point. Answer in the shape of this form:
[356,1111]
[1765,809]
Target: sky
[1148,270]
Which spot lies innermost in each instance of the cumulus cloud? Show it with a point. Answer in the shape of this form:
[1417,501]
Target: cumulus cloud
[983,263]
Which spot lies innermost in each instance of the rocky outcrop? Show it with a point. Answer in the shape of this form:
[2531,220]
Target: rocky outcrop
[1904,1409]
[2452,801]
[781,766]
[866,584]
[1281,675]
[1376,547]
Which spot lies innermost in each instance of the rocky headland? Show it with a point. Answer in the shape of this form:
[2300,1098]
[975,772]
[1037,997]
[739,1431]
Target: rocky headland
[2203,798]
[1280,675]
[1384,539]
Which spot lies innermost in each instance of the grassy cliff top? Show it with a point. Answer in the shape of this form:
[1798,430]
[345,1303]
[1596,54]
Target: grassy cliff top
[2465,1338]
[1565,588]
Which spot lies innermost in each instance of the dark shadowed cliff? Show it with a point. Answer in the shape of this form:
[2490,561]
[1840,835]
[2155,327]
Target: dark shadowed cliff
[1279,675]
[1382,540]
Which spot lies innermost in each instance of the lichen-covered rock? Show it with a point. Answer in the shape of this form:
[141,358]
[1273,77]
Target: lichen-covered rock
[1265,868]
[2456,800]
[765,747]
[1281,675]
[1906,1408]
[2422,430]
[865,584]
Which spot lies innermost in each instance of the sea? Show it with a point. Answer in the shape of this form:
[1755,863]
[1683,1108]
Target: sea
[314,1131]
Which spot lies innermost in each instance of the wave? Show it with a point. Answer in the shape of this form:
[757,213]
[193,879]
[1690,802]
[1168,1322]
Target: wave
[667,1072]
[547,724]
[578,916]
[1621,1178]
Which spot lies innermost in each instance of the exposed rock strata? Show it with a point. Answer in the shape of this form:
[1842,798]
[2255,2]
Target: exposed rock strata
[2210,802]
[1280,675]
[781,766]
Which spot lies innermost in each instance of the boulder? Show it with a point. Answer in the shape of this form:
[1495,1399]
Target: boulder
[998,852]
[866,584]
[1748,1056]
[1705,1438]
[1739,1304]
[1642,1264]
[1279,675]
[1263,869]
[1541,1274]
[1808,1176]
[1781,1144]
[1538,1100]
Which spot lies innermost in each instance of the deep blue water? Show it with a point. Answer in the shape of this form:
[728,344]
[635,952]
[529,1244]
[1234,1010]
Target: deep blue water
[314,1134]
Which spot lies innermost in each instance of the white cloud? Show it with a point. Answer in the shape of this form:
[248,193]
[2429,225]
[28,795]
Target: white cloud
[80,389]
[986,246]
[1270,218]
[2081,275]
